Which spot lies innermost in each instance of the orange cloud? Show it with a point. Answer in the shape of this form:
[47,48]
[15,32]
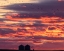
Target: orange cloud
[53,26]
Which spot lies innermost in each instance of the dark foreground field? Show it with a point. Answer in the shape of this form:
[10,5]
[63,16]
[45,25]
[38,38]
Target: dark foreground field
[28,50]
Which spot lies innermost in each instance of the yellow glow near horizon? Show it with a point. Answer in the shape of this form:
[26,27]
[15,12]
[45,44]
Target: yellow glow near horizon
[8,2]
[4,3]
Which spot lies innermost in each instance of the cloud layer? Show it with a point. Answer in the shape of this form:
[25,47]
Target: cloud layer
[39,24]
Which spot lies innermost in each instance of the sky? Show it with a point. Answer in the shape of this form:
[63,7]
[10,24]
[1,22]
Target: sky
[39,23]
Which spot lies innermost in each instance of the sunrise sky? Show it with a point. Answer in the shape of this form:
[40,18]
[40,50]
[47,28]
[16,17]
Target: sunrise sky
[39,23]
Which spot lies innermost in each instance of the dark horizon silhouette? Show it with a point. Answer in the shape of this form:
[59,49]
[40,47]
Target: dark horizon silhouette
[26,47]
[21,47]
